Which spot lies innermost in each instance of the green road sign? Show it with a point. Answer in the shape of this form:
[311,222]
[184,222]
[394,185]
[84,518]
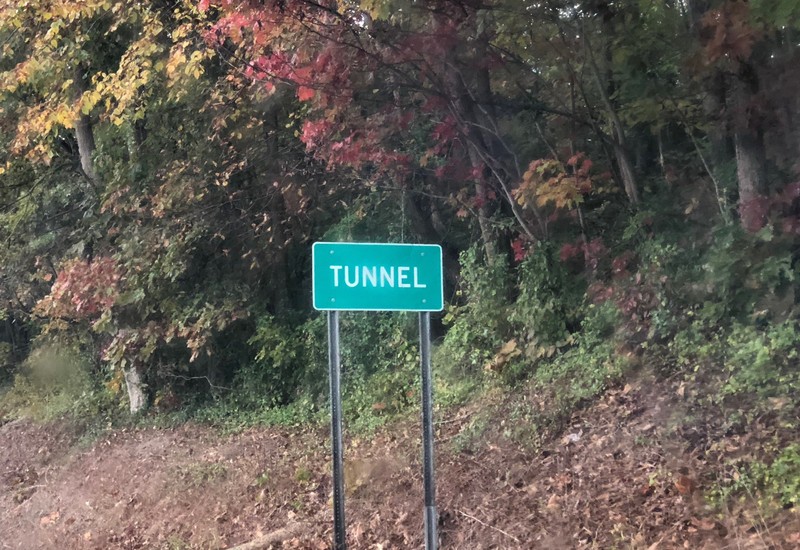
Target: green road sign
[377,277]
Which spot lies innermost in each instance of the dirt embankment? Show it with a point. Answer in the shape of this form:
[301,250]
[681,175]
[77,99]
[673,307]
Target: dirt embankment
[626,474]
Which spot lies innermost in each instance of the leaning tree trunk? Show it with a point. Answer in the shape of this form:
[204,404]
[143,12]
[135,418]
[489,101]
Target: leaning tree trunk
[618,140]
[463,109]
[83,129]
[626,170]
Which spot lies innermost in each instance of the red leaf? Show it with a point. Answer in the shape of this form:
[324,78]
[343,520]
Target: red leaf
[520,251]
[305,93]
[569,250]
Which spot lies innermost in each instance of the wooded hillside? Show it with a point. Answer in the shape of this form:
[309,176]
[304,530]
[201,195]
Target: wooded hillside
[614,184]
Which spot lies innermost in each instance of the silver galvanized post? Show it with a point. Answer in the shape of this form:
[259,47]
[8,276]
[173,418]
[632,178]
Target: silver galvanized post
[431,519]
[334,363]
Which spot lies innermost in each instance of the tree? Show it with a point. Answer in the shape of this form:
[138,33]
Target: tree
[746,45]
[163,166]
[177,213]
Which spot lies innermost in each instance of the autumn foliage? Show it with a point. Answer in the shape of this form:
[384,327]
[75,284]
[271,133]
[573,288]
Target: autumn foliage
[164,168]
[82,290]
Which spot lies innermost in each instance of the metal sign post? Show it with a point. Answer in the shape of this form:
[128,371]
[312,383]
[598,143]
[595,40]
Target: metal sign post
[431,519]
[379,277]
[334,364]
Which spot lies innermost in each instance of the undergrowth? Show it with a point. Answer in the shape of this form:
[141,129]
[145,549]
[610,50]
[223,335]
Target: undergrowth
[527,344]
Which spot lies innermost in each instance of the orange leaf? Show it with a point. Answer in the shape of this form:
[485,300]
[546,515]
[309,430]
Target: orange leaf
[685,485]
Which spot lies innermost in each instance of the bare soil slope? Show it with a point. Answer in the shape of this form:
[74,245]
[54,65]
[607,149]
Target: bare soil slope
[626,474]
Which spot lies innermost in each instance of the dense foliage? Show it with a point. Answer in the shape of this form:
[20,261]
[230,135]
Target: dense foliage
[607,179]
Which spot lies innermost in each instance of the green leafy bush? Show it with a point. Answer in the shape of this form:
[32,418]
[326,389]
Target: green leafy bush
[763,363]
[5,362]
[585,370]
[380,362]
[480,323]
[287,362]
[569,380]
[782,477]
[57,380]
[277,365]
[773,485]
[548,303]
[287,382]
[744,273]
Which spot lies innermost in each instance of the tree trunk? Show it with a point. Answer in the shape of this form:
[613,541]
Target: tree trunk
[431,229]
[750,165]
[279,274]
[626,170]
[83,130]
[487,233]
[493,151]
[714,105]
[483,96]
[463,108]
[133,383]
[750,172]
[751,157]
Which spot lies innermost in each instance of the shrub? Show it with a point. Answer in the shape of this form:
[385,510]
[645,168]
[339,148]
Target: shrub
[762,363]
[773,485]
[5,362]
[274,374]
[380,362]
[744,271]
[548,304]
[480,323]
[57,379]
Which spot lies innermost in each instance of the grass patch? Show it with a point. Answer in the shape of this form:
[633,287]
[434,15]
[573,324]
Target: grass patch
[773,485]
[263,479]
[176,542]
[200,474]
[472,434]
